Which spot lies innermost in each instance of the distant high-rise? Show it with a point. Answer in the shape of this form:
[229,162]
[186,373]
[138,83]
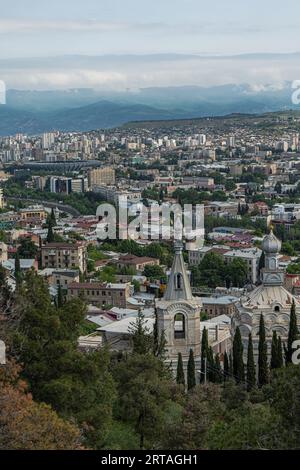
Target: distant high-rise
[48,140]
[231,141]
[101,176]
[202,139]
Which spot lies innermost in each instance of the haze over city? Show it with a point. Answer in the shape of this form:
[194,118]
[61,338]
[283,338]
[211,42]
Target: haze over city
[198,43]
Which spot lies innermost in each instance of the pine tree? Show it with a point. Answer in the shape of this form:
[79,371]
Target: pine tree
[180,373]
[238,363]
[226,366]
[293,334]
[204,352]
[251,377]
[191,379]
[141,338]
[262,354]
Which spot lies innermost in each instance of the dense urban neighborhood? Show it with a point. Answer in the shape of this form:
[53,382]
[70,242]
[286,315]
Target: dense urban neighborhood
[151,342]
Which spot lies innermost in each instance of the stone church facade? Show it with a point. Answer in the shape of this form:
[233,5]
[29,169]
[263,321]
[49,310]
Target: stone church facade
[270,299]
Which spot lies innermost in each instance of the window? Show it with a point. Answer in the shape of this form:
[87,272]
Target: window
[179,326]
[276,308]
[178,281]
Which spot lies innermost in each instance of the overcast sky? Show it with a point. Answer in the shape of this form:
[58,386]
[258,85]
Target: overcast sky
[36,28]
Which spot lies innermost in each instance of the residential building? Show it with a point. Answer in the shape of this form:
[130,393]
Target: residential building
[215,306]
[136,262]
[251,256]
[64,255]
[101,176]
[102,294]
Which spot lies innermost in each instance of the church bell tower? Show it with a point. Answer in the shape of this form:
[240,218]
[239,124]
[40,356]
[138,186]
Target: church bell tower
[178,313]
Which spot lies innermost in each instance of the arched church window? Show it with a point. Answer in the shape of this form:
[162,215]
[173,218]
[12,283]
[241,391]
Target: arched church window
[179,326]
[276,308]
[178,281]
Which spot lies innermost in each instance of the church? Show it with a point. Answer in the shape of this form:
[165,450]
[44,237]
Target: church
[178,316]
[178,312]
[270,299]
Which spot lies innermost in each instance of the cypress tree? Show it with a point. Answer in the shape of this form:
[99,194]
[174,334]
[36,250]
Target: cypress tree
[180,373]
[238,363]
[230,365]
[293,334]
[211,375]
[52,218]
[279,352]
[155,334]
[218,370]
[60,297]
[18,273]
[191,379]
[50,234]
[251,377]
[262,354]
[226,366]
[261,263]
[274,351]
[159,340]
[204,352]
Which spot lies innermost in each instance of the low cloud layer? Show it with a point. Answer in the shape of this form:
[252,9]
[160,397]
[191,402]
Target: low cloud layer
[133,72]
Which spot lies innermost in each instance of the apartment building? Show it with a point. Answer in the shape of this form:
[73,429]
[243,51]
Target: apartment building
[251,256]
[60,277]
[114,195]
[215,306]
[101,294]
[64,255]
[221,208]
[101,176]
[201,182]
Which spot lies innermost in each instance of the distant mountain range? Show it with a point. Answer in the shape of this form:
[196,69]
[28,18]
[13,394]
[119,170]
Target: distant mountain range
[34,112]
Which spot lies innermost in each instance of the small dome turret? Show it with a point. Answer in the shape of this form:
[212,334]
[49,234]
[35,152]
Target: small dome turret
[271,244]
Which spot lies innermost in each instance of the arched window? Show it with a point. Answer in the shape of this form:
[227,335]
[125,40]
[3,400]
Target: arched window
[178,281]
[179,326]
[276,308]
